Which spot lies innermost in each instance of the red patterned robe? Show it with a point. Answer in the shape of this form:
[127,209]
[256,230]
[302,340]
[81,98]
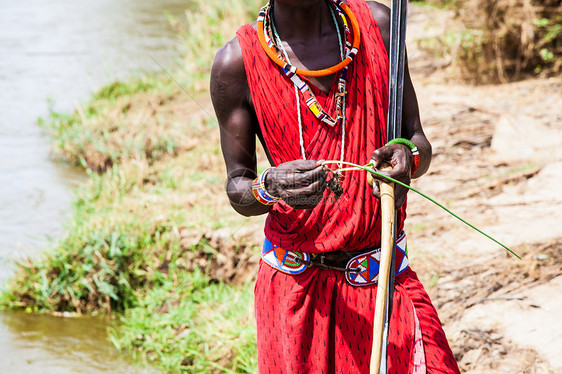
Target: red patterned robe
[315,322]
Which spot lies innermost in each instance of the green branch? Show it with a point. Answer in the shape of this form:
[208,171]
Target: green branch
[370,168]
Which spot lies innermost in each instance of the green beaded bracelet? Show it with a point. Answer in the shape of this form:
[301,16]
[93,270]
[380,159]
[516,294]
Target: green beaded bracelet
[412,147]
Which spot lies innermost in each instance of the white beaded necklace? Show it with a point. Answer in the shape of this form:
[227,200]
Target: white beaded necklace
[297,96]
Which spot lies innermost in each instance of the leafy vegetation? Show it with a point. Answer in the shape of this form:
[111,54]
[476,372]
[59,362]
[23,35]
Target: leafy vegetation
[201,36]
[193,326]
[502,40]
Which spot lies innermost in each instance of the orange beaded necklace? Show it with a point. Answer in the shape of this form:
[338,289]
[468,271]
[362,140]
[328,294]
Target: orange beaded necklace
[272,53]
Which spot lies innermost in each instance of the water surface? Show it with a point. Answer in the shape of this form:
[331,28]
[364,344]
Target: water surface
[32,344]
[62,50]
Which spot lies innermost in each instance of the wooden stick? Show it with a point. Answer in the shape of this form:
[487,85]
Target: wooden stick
[397,57]
[387,247]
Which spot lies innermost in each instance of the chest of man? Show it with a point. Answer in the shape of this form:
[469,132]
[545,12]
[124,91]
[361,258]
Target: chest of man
[317,55]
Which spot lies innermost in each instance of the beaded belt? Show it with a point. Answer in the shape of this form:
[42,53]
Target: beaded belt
[361,267]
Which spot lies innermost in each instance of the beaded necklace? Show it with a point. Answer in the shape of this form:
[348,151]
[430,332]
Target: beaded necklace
[274,55]
[279,44]
[267,33]
[266,26]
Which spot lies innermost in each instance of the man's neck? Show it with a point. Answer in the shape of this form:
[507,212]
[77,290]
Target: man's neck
[299,20]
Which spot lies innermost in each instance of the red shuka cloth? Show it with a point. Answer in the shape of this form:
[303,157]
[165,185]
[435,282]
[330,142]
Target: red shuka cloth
[352,222]
[316,322]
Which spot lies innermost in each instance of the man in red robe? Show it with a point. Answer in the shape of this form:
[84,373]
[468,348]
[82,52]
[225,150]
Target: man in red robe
[314,304]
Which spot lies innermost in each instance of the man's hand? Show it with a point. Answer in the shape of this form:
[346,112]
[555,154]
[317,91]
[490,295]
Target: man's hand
[300,183]
[401,159]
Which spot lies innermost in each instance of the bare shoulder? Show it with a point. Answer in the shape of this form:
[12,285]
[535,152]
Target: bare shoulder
[381,14]
[229,63]
[228,66]
[229,85]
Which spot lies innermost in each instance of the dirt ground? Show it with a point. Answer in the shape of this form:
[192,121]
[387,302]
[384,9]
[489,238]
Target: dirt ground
[496,163]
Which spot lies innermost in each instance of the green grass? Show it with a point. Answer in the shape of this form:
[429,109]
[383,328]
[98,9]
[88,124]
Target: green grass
[111,249]
[192,326]
[113,128]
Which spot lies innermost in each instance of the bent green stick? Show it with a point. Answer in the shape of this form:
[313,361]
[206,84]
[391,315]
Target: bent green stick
[370,168]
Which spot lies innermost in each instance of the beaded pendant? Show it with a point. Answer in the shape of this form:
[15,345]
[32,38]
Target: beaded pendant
[267,39]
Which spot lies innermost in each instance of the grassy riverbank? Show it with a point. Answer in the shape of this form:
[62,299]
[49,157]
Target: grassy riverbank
[153,240]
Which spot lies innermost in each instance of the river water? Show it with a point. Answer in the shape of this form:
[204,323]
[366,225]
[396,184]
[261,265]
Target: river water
[60,50]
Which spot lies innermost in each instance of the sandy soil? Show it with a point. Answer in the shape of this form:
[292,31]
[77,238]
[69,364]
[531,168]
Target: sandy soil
[497,163]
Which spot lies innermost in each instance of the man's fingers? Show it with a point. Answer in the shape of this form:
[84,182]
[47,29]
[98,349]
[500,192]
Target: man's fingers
[381,156]
[376,160]
[376,190]
[380,178]
[317,171]
[310,177]
[306,165]
[398,173]
[314,188]
[295,178]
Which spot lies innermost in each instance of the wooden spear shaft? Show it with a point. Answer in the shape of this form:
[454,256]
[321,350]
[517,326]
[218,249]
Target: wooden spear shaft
[385,262]
[397,55]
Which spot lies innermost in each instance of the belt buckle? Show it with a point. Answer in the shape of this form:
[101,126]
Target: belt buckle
[366,265]
[284,260]
[365,269]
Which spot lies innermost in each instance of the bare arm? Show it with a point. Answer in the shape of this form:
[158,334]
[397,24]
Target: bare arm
[299,183]
[237,124]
